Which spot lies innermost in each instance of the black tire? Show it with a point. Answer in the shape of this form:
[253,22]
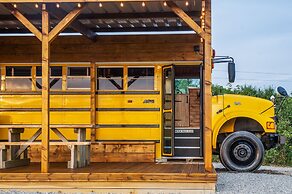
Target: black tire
[242,151]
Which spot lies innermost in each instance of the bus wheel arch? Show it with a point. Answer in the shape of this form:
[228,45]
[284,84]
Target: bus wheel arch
[238,124]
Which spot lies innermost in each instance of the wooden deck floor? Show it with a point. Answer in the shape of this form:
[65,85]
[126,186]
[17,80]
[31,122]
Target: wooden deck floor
[107,175]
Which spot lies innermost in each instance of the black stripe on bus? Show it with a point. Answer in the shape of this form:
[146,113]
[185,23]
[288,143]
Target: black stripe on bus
[127,109]
[51,92]
[78,92]
[128,126]
[76,109]
[127,92]
[39,109]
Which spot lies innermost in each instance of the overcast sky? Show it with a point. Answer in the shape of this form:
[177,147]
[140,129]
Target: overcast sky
[258,34]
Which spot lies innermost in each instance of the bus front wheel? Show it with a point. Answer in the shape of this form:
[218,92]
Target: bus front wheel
[242,151]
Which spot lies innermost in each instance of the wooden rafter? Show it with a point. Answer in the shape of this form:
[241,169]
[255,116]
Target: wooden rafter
[64,23]
[187,19]
[76,25]
[24,21]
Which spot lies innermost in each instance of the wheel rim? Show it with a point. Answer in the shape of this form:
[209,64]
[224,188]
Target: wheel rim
[242,153]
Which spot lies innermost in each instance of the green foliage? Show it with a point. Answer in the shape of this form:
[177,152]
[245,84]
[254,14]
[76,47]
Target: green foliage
[244,90]
[281,155]
[182,85]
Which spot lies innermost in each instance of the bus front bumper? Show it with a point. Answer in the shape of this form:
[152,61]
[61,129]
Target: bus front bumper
[271,140]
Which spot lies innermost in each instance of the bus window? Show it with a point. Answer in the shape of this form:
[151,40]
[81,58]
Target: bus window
[140,78]
[78,78]
[18,78]
[110,78]
[55,77]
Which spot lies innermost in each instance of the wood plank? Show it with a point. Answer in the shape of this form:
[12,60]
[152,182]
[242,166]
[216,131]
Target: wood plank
[187,19]
[182,110]
[65,22]
[195,114]
[73,1]
[58,153]
[95,16]
[45,90]
[107,49]
[24,21]
[207,89]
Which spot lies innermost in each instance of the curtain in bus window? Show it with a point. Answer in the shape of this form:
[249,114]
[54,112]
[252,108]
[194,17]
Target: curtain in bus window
[140,78]
[18,78]
[110,78]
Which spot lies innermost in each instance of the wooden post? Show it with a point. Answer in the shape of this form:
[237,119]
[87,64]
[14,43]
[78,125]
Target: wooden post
[45,90]
[207,88]
[3,78]
[64,78]
[33,78]
[93,101]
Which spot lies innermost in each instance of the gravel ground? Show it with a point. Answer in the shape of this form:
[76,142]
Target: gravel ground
[266,180]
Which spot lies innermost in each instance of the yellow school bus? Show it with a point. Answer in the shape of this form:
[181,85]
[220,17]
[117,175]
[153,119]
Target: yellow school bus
[134,102]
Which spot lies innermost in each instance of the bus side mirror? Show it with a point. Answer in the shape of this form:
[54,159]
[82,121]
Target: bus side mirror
[282,91]
[231,72]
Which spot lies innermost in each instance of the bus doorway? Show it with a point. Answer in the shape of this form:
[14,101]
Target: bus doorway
[181,112]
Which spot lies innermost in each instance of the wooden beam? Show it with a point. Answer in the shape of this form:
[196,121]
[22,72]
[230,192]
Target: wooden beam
[76,25]
[76,1]
[64,22]
[93,100]
[207,88]
[187,19]
[95,16]
[113,29]
[24,21]
[45,90]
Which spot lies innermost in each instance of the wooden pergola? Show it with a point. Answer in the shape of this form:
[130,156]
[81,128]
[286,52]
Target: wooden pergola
[198,21]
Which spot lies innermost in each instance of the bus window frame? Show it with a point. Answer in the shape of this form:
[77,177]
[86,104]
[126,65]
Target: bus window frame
[109,67]
[17,77]
[154,76]
[76,76]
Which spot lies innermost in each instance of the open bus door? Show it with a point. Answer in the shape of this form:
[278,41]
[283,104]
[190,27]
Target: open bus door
[181,113]
[168,110]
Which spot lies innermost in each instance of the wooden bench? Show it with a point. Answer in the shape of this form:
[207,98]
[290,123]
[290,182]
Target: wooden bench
[14,152]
